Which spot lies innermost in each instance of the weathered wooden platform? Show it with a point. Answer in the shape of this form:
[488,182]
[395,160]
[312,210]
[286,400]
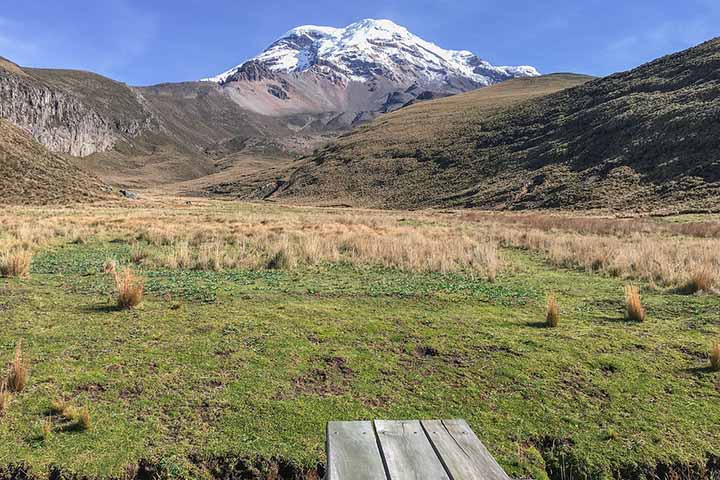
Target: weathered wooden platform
[408,449]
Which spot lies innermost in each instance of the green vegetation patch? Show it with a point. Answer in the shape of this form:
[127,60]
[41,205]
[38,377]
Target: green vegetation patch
[235,371]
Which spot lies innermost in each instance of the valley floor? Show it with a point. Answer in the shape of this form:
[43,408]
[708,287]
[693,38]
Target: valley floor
[240,354]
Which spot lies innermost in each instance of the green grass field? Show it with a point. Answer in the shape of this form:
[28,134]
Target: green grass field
[236,372]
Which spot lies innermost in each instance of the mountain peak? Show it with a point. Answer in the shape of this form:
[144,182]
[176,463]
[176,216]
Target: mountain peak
[370,49]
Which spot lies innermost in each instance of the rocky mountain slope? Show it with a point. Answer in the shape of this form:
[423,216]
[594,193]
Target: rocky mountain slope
[56,118]
[33,175]
[366,68]
[647,139]
[139,136]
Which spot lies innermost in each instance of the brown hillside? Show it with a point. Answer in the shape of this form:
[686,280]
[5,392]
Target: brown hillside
[647,140]
[29,174]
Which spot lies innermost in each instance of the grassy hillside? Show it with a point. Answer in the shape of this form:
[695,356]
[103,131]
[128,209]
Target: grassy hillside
[647,139]
[32,175]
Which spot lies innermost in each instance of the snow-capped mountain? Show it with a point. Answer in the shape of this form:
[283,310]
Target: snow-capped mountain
[345,76]
[368,49]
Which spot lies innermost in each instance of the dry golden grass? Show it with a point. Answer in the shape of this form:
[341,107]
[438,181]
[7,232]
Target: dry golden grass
[138,254]
[130,288]
[81,417]
[281,260]
[59,406]
[715,357]
[212,236]
[15,263]
[17,376]
[47,428]
[110,266]
[702,280]
[552,318]
[633,305]
[660,259]
[5,398]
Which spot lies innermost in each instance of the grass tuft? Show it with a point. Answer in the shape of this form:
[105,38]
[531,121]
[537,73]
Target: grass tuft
[110,266]
[81,417]
[281,260]
[552,319]
[139,254]
[5,398]
[15,264]
[633,306]
[702,280]
[58,406]
[130,288]
[18,375]
[715,357]
[47,428]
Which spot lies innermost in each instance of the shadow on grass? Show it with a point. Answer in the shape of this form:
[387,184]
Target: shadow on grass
[104,308]
[619,319]
[537,325]
[700,371]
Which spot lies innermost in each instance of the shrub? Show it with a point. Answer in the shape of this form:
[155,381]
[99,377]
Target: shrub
[130,288]
[552,318]
[18,374]
[15,264]
[715,357]
[633,305]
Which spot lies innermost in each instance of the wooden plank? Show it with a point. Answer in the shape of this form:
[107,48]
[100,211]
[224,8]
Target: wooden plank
[461,451]
[352,452]
[407,451]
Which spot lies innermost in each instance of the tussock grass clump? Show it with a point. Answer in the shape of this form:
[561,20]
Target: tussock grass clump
[702,280]
[282,259]
[18,375]
[633,306]
[715,357]
[47,428]
[15,264]
[78,417]
[5,398]
[110,266]
[59,406]
[130,288]
[138,254]
[552,318]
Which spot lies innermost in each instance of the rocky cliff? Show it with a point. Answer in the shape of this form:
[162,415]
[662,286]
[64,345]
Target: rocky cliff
[58,117]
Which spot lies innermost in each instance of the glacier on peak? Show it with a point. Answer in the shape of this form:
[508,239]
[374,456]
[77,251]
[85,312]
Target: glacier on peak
[370,48]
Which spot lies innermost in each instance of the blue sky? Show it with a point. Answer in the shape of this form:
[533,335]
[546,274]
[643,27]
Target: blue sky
[143,42]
